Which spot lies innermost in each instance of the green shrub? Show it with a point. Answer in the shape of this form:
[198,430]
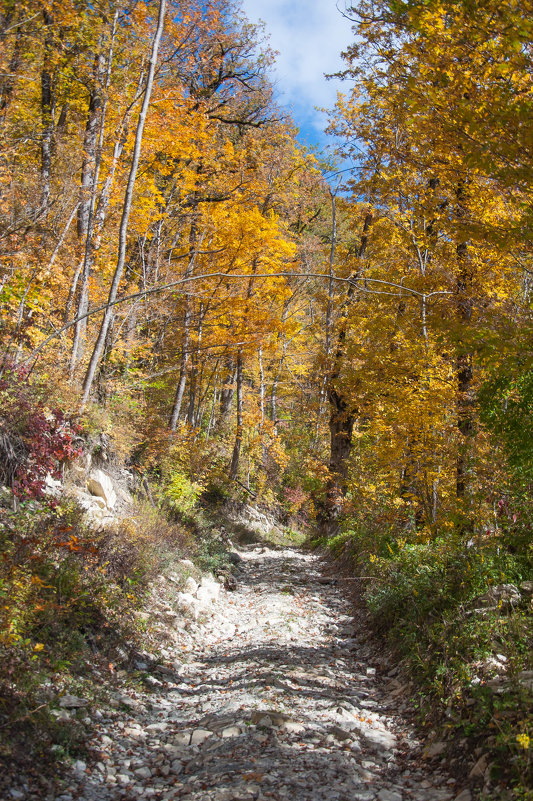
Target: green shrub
[424,595]
[181,494]
[422,581]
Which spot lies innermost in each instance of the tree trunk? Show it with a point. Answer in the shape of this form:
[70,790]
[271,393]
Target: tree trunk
[342,414]
[212,413]
[90,143]
[88,185]
[193,387]
[123,231]
[8,84]
[47,117]
[261,385]
[279,366]
[180,389]
[274,399]
[227,392]
[186,336]
[464,369]
[96,225]
[341,424]
[93,147]
[329,313]
[465,375]
[409,490]
[234,467]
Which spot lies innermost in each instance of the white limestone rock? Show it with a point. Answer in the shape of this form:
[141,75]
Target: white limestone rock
[188,605]
[190,586]
[101,485]
[209,589]
[52,486]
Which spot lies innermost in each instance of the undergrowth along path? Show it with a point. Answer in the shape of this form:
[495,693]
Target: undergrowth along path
[279,698]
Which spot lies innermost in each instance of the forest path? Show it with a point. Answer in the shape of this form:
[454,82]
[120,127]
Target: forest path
[279,699]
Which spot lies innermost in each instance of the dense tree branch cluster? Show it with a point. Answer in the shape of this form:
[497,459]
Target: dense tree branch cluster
[168,247]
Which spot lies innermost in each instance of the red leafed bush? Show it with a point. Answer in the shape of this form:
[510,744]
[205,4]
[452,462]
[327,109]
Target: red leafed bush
[295,501]
[34,440]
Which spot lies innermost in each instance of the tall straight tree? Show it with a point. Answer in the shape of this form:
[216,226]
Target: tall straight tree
[126,209]
[440,100]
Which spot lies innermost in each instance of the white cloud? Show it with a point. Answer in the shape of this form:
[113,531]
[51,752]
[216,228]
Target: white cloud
[309,36]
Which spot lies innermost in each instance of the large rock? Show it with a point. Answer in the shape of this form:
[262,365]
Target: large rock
[389,795]
[190,586]
[434,750]
[200,735]
[52,486]
[101,485]
[209,589]
[502,595]
[188,605]
[254,519]
[72,702]
[525,679]
[478,770]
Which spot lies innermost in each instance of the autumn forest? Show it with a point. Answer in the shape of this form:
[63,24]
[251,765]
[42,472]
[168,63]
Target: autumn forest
[344,340]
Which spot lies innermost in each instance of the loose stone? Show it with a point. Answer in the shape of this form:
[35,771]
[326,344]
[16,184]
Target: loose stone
[264,690]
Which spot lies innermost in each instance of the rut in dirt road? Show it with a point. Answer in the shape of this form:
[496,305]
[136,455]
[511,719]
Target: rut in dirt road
[276,700]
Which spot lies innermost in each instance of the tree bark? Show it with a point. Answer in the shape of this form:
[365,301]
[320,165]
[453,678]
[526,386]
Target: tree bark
[329,310]
[261,385]
[273,410]
[123,231]
[343,412]
[235,458]
[465,374]
[212,413]
[90,143]
[8,84]
[192,417]
[186,336]
[464,364]
[92,147]
[47,117]
[234,466]
[409,489]
[227,391]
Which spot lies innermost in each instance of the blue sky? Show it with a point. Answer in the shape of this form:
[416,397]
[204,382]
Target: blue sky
[309,36]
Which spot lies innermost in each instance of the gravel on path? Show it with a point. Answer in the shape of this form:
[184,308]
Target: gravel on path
[277,698]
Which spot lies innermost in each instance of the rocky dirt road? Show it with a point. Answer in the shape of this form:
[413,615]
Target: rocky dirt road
[279,698]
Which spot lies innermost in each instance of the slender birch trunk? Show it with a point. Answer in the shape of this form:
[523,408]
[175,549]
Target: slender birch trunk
[89,180]
[187,319]
[279,367]
[236,455]
[185,355]
[123,231]
[211,422]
